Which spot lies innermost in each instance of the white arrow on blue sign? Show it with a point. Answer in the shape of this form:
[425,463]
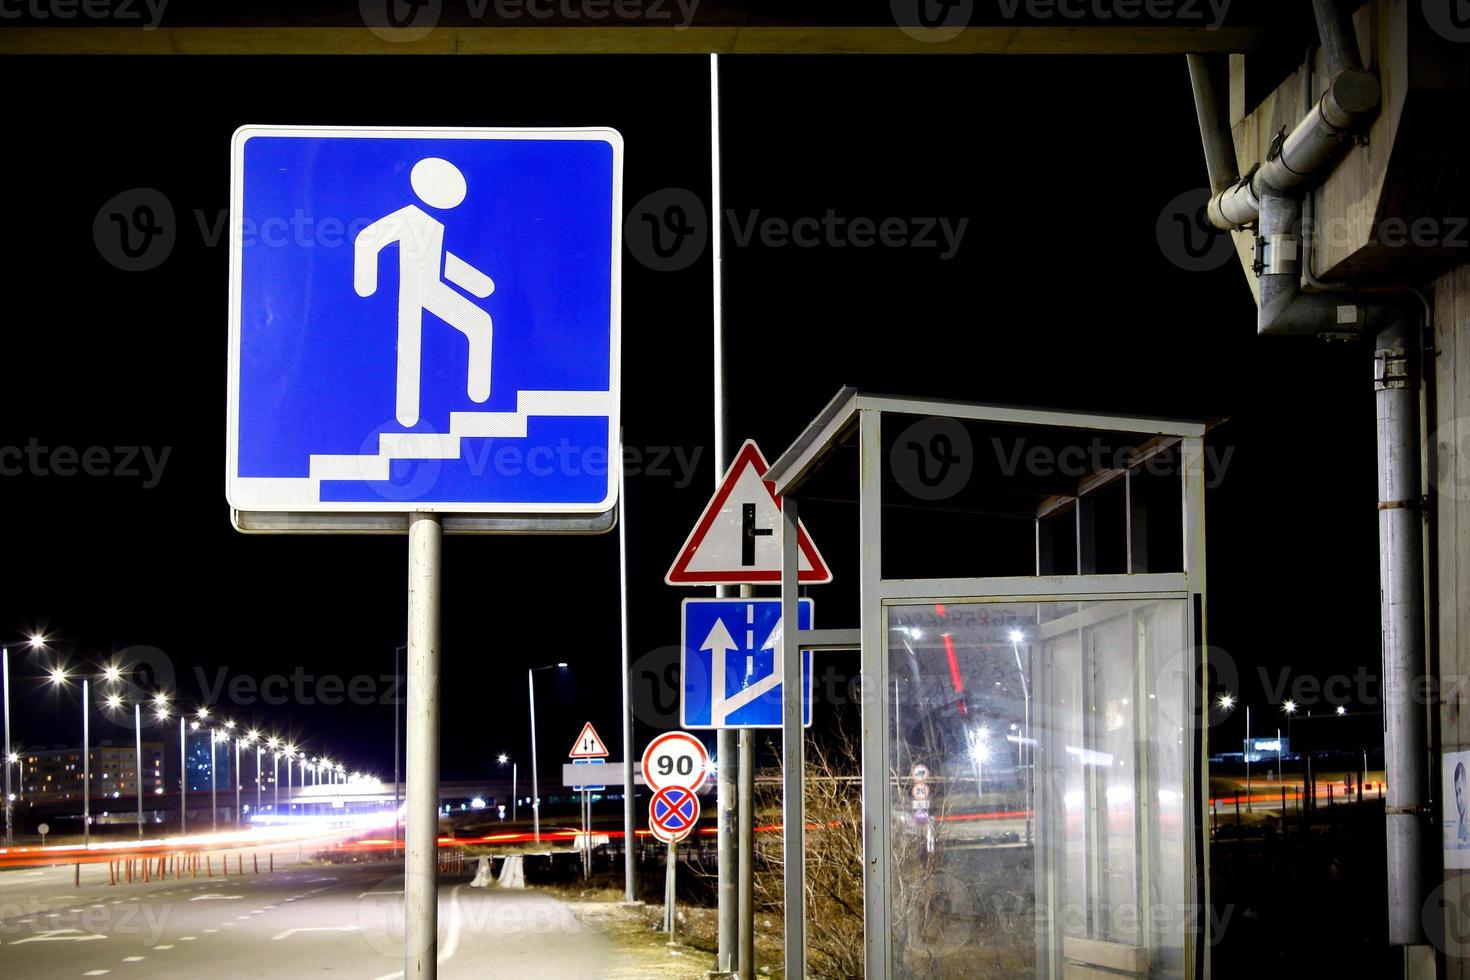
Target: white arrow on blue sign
[730,674]
[424,320]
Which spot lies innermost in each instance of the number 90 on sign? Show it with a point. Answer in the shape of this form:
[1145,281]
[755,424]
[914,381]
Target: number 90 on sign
[675,759]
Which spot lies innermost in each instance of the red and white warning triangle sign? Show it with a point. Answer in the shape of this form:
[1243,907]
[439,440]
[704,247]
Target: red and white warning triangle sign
[737,540]
[588,745]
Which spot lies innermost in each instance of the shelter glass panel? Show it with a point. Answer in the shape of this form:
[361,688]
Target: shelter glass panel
[1039,766]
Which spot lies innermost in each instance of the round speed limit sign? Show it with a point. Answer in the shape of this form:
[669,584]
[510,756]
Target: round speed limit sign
[675,759]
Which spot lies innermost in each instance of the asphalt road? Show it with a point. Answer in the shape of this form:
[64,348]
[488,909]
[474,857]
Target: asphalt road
[306,919]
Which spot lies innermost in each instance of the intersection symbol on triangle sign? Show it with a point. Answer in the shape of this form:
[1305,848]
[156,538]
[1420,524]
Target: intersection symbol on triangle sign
[588,745]
[737,539]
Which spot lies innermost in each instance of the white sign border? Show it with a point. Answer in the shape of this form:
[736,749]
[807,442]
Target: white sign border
[287,519]
[667,736]
[809,665]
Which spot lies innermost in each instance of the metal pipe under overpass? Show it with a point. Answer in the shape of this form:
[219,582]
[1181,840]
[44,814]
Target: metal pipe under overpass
[1400,563]
[1352,96]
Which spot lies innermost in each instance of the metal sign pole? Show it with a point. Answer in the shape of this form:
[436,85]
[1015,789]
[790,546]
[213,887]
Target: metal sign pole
[420,879]
[630,891]
[669,888]
[727,828]
[793,762]
[745,878]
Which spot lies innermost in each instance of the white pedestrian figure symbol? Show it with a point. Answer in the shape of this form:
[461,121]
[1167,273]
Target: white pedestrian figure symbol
[425,271]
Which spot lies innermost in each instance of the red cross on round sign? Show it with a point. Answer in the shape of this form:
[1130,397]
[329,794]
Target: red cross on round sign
[673,813]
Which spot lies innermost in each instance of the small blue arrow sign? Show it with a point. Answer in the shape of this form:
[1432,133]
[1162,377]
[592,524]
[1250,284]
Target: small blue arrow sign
[730,678]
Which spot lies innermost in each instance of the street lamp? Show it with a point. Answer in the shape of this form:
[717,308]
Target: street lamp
[535,786]
[252,737]
[1289,707]
[1226,702]
[58,676]
[290,758]
[114,703]
[236,775]
[274,744]
[36,642]
[161,712]
[214,738]
[502,759]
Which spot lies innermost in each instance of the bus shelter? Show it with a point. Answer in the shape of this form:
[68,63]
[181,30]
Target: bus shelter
[1033,686]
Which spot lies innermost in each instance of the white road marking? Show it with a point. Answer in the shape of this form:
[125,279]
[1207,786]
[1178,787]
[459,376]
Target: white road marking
[58,936]
[291,932]
[169,946]
[451,945]
[133,959]
[215,897]
[95,973]
[211,930]
[186,939]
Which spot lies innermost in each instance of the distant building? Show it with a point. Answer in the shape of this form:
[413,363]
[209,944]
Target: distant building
[56,774]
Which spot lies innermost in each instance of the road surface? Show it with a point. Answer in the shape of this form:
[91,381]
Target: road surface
[306,919]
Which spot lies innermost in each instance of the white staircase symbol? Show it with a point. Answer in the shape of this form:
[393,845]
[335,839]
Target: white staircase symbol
[434,445]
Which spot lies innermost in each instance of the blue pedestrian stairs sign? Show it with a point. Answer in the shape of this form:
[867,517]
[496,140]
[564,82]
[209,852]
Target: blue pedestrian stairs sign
[424,320]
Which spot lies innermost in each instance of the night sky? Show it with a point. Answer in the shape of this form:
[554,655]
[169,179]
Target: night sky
[1060,293]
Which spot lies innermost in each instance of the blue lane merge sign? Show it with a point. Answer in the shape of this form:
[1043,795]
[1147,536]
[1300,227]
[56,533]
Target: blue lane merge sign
[424,320]
[729,676]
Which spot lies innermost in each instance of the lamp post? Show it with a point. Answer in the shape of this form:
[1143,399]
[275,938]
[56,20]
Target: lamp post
[5,688]
[213,781]
[235,775]
[274,744]
[1226,702]
[504,758]
[58,675]
[36,643]
[183,778]
[138,762]
[535,786]
[1289,708]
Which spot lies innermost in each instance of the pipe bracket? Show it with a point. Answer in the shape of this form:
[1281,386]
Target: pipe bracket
[1391,369]
[1280,255]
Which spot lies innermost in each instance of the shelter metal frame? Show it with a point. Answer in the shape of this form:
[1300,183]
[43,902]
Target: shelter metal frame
[860,412]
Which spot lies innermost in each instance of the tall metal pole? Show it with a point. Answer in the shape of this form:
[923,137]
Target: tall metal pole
[138,768]
[213,784]
[1401,591]
[183,778]
[515,799]
[5,685]
[535,789]
[727,829]
[276,788]
[397,717]
[793,761]
[745,946]
[257,777]
[86,766]
[237,781]
[420,879]
[630,864]
[1247,758]
[290,803]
